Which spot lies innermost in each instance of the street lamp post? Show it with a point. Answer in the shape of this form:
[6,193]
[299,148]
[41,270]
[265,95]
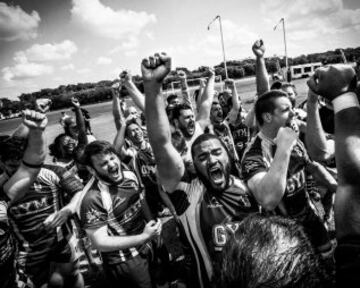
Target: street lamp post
[222,42]
[286,58]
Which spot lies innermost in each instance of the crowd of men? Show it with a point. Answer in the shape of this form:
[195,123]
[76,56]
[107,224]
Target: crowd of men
[253,193]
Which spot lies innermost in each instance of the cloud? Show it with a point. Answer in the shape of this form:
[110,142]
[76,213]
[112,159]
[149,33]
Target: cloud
[25,70]
[83,71]
[208,46]
[307,19]
[126,46]
[68,67]
[16,24]
[33,62]
[107,22]
[48,52]
[104,60]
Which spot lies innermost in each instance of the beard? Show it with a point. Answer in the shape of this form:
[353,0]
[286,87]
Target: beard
[210,186]
[188,130]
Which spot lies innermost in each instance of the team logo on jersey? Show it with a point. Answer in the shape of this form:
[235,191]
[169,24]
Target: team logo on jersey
[93,216]
[221,233]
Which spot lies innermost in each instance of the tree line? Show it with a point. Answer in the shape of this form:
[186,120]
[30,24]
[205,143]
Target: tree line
[89,93]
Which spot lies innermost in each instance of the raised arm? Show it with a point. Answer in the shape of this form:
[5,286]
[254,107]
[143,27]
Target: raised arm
[269,186]
[202,86]
[33,158]
[319,148]
[233,113]
[135,94]
[41,105]
[184,88]
[80,121]
[338,84]
[262,77]
[169,163]
[203,117]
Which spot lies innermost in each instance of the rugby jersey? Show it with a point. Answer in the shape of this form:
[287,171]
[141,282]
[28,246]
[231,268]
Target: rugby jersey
[207,217]
[241,135]
[7,246]
[119,207]
[258,158]
[45,196]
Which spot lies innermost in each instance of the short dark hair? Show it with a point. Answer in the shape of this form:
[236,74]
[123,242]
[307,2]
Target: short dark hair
[270,251]
[176,112]
[12,147]
[265,103]
[170,98]
[204,137]
[94,148]
[133,121]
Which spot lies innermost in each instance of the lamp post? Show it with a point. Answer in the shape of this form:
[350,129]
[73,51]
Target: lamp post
[222,42]
[286,58]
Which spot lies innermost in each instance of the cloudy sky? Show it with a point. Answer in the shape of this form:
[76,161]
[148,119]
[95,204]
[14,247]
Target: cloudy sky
[46,43]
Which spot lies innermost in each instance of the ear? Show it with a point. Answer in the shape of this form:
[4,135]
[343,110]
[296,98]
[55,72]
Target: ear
[176,123]
[267,117]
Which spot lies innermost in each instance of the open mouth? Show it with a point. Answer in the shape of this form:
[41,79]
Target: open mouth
[191,127]
[114,172]
[217,175]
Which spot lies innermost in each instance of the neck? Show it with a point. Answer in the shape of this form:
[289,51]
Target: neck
[269,132]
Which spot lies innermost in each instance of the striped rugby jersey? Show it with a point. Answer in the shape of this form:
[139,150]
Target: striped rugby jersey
[208,217]
[119,207]
[7,246]
[52,189]
[258,157]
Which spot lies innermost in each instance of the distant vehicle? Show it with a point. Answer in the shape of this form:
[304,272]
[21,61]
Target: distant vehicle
[304,70]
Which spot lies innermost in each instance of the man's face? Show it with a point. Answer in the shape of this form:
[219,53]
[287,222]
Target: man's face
[107,166]
[186,122]
[283,113]
[291,93]
[216,113]
[135,134]
[132,111]
[212,164]
[174,101]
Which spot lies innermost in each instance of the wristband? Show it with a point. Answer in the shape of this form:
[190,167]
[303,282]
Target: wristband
[344,101]
[30,165]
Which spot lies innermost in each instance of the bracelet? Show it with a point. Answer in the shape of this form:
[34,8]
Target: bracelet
[34,166]
[344,101]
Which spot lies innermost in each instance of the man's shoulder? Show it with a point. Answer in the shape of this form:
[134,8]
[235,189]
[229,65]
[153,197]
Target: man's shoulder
[237,184]
[255,147]
[92,195]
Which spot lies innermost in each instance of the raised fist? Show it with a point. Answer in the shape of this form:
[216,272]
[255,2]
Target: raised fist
[230,83]
[286,138]
[156,68]
[332,81]
[210,72]
[42,105]
[75,102]
[202,83]
[258,48]
[125,77]
[34,120]
[181,74]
